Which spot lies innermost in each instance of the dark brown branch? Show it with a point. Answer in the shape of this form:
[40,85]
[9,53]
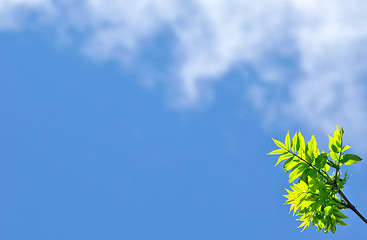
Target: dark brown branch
[351,206]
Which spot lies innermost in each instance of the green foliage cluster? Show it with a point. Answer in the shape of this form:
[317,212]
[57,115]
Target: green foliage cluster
[314,197]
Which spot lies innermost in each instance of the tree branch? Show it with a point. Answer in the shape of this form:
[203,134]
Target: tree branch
[321,172]
[351,206]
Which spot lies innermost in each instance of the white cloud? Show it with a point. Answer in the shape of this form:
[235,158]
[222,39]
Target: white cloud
[331,38]
[322,43]
[14,13]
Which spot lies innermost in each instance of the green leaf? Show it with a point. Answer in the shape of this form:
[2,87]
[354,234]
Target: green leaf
[311,173]
[327,210]
[337,132]
[308,174]
[320,161]
[346,177]
[288,141]
[314,199]
[340,222]
[340,215]
[349,159]
[345,148]
[284,156]
[334,156]
[279,144]
[333,228]
[301,142]
[297,171]
[316,205]
[312,144]
[311,150]
[277,151]
[334,148]
[326,168]
[290,163]
[294,143]
[306,223]
[338,136]
[333,145]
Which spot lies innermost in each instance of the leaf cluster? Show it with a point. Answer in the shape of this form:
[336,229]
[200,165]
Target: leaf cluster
[314,197]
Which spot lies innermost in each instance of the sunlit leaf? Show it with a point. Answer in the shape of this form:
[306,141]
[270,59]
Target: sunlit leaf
[279,144]
[294,143]
[301,142]
[340,222]
[326,168]
[345,148]
[288,141]
[327,210]
[284,156]
[333,145]
[277,151]
[290,163]
[349,159]
[334,156]
[340,215]
[297,171]
[314,198]
[309,172]
[320,161]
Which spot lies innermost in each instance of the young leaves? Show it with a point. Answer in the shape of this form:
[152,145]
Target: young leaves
[297,171]
[349,159]
[320,161]
[284,149]
[314,198]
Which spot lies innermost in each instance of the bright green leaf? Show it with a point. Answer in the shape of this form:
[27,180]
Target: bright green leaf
[334,148]
[337,133]
[312,144]
[333,145]
[294,143]
[288,141]
[284,156]
[326,168]
[334,156]
[279,144]
[277,151]
[314,199]
[345,148]
[320,161]
[340,215]
[327,210]
[290,163]
[297,171]
[301,141]
[340,222]
[349,159]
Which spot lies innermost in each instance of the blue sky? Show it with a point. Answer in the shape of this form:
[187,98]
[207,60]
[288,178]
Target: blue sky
[151,120]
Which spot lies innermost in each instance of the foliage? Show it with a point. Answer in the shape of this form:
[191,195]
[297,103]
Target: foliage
[314,197]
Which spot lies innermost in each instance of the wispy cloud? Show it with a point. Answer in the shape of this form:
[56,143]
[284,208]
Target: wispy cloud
[15,13]
[312,53]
